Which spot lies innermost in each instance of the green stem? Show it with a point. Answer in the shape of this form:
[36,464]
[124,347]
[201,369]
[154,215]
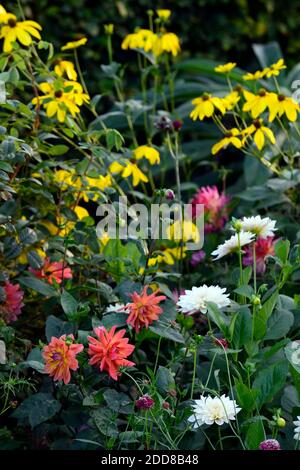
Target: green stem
[194,373]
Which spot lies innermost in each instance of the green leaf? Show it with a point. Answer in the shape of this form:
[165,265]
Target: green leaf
[58,150]
[255,435]
[165,330]
[164,380]
[242,328]
[38,285]
[270,381]
[37,408]
[262,316]
[56,327]
[27,236]
[267,54]
[69,303]
[114,139]
[245,291]
[282,249]
[218,317]
[118,401]
[111,319]
[246,397]
[279,324]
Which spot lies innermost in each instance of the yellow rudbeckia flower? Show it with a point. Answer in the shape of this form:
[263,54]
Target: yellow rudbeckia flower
[226,68]
[205,106]
[64,67]
[259,133]
[230,138]
[257,104]
[166,42]
[14,30]
[74,44]
[141,39]
[282,104]
[130,169]
[59,99]
[183,231]
[254,76]
[274,69]
[150,153]
[163,14]
[231,100]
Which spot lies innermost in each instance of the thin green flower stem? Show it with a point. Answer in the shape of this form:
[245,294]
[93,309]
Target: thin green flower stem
[194,373]
[254,268]
[240,258]
[210,370]
[220,437]
[276,84]
[157,355]
[80,71]
[144,94]
[219,123]
[128,117]
[109,48]
[171,82]
[286,134]
[208,439]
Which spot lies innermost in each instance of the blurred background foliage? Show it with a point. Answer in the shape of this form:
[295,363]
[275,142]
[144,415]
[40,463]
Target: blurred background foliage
[219,29]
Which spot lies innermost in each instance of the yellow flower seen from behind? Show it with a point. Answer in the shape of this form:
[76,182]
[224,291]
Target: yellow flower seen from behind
[275,69]
[166,42]
[163,14]
[74,44]
[130,169]
[230,137]
[65,67]
[254,76]
[150,153]
[226,68]
[184,231]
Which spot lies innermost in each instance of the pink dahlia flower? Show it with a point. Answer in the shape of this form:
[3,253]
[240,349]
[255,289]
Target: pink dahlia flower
[215,207]
[53,271]
[12,305]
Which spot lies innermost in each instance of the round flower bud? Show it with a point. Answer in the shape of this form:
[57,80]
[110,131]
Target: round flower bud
[280,422]
[166,405]
[169,194]
[255,300]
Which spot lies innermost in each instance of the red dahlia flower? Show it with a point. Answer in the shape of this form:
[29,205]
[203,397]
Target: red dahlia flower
[144,309]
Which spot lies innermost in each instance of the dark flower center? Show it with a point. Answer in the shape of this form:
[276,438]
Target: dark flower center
[281,97]
[262,92]
[12,23]
[257,124]
[58,94]
[228,134]
[205,96]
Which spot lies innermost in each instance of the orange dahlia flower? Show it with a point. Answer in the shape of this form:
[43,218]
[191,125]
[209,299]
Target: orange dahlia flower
[110,350]
[144,309]
[50,271]
[60,357]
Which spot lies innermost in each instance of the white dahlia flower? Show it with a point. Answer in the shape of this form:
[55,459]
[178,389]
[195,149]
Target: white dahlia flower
[210,410]
[263,228]
[195,300]
[297,429]
[232,245]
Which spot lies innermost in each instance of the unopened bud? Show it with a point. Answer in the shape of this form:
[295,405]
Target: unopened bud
[280,422]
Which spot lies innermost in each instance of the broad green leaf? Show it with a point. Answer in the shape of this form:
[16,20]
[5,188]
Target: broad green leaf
[164,380]
[270,381]
[255,435]
[242,328]
[37,408]
[279,324]
[69,303]
[246,397]
[38,286]
[56,327]
[218,317]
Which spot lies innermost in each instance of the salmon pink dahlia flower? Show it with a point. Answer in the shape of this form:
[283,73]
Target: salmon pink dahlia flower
[110,350]
[60,357]
[144,309]
[57,271]
[215,207]
[12,305]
